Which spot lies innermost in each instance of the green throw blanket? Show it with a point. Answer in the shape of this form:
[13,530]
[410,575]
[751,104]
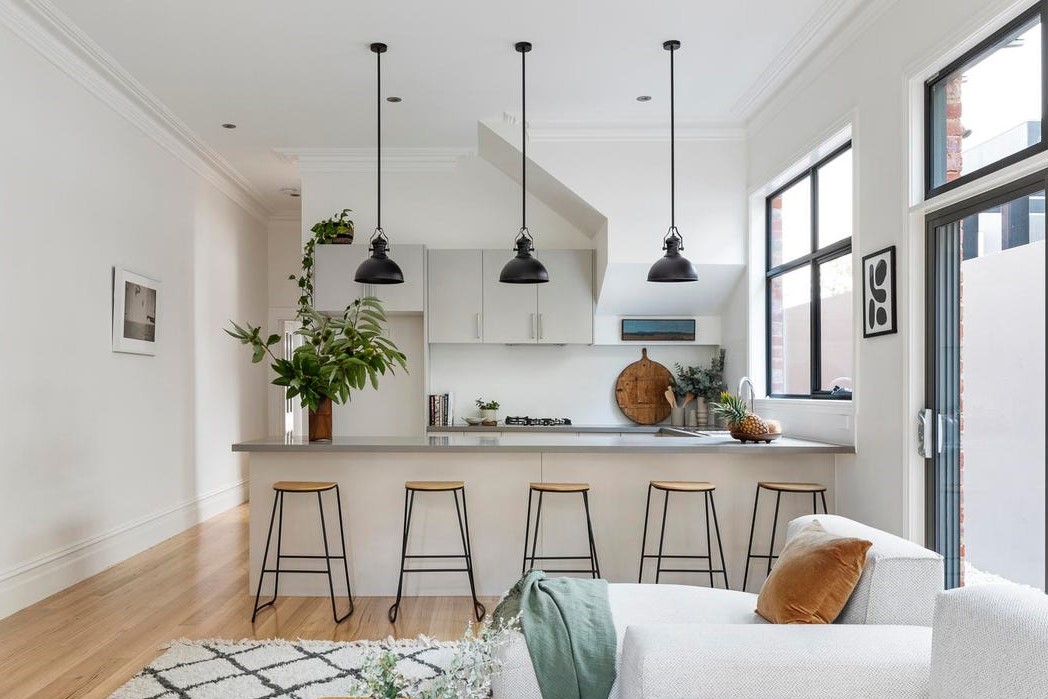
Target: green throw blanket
[570,635]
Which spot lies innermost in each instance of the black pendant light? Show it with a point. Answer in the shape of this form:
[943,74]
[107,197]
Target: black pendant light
[673,267]
[379,269]
[524,269]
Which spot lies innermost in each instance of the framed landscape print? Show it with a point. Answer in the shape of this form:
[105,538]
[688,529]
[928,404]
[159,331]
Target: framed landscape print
[878,293]
[136,302]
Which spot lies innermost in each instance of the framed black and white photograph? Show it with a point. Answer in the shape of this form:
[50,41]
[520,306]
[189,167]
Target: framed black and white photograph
[136,300]
[878,293]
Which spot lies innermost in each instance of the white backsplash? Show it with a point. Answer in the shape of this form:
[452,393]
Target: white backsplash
[572,381]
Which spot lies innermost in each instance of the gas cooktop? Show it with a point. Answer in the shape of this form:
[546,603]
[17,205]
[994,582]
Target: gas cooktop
[537,421]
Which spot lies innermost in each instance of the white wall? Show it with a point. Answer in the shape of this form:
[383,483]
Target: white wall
[106,454]
[572,381]
[865,79]
[1002,360]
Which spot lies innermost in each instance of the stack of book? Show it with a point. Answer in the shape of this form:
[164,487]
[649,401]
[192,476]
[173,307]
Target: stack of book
[441,409]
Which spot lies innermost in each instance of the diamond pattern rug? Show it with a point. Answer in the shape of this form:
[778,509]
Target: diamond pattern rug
[217,669]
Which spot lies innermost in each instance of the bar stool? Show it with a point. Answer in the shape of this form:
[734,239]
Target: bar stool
[453,487]
[282,487]
[683,487]
[542,489]
[816,490]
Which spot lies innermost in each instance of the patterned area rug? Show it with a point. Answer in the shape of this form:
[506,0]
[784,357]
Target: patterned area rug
[216,669]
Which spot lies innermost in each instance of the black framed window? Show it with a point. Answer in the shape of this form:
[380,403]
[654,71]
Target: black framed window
[987,109]
[810,330]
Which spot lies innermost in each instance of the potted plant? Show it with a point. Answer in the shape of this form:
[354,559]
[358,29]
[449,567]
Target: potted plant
[338,356]
[337,229]
[489,410]
[704,384]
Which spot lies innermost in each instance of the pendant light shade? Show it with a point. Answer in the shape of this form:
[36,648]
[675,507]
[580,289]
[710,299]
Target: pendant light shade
[673,267]
[524,268]
[379,268]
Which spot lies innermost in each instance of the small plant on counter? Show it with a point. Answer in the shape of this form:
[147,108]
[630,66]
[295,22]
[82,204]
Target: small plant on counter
[702,382]
[337,229]
[487,405]
[339,355]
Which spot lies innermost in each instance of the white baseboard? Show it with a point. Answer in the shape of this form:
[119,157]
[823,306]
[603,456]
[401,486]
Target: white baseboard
[31,582]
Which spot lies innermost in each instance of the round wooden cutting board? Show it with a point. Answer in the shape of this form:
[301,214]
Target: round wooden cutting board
[640,391]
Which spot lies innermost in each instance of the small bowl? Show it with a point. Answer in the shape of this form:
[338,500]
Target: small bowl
[489,423]
[473,421]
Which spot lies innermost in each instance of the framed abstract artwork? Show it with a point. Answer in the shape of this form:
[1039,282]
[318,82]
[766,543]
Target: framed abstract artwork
[136,301]
[879,316]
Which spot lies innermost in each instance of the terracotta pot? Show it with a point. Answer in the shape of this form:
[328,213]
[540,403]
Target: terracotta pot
[320,422]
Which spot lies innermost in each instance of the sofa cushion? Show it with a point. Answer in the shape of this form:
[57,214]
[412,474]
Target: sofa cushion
[990,641]
[899,582]
[633,604]
[813,578]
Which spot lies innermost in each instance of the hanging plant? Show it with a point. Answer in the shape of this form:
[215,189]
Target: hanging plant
[337,229]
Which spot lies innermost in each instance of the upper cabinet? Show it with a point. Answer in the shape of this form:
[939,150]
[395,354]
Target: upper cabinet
[456,293]
[335,266]
[560,312]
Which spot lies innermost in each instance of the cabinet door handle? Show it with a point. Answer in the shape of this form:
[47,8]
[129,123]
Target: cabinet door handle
[540,326]
[478,326]
[533,326]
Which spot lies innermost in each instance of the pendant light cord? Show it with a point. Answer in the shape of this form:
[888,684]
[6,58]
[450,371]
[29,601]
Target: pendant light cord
[523,144]
[673,151]
[378,128]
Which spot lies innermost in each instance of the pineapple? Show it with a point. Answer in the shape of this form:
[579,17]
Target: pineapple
[741,421]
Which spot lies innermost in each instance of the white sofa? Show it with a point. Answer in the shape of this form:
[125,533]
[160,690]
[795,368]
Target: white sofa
[665,631]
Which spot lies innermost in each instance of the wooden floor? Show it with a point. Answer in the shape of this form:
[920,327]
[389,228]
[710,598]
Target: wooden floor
[91,638]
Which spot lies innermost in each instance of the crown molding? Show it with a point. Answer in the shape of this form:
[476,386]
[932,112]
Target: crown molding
[363,160]
[626,130]
[53,35]
[863,13]
[801,47]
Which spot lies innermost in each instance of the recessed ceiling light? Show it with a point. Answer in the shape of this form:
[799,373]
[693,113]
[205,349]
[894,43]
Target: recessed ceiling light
[644,98]
[229,126]
[291,191]
[394,99]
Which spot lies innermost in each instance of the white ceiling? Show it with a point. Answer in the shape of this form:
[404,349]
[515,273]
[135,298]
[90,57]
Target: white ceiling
[299,74]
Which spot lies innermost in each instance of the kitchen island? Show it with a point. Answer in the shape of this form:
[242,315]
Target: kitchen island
[497,467]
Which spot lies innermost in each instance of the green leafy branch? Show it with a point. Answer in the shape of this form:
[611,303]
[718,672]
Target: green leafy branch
[324,232]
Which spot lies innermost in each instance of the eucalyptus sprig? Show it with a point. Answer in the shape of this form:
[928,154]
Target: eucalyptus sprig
[338,355]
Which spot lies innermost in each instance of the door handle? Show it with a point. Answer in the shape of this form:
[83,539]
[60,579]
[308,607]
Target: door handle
[478,325]
[540,326]
[534,326]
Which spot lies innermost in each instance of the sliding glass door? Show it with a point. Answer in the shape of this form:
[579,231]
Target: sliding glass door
[986,386]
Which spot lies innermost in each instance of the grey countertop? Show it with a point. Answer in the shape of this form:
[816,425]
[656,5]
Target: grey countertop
[580,429]
[666,442]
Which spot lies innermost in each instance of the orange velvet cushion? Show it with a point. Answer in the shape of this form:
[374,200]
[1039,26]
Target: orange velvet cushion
[813,578]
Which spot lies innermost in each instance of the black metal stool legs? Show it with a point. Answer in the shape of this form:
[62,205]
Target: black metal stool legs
[462,518]
[277,516]
[711,521]
[771,555]
[532,538]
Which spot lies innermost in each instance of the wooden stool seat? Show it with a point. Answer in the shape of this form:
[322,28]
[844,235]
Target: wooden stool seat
[302,486]
[560,487]
[434,486]
[793,487]
[684,486]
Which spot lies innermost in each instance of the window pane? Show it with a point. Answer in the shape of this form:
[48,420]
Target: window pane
[836,329]
[791,332]
[989,108]
[790,225]
[1011,225]
[835,199]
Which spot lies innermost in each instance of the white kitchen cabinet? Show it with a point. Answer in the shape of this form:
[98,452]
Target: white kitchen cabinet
[558,312]
[565,303]
[336,265]
[456,295]
[510,310]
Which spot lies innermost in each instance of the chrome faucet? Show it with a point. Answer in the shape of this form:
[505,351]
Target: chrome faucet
[743,382]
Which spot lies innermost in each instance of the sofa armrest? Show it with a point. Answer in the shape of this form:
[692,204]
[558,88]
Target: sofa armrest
[700,661]
[990,641]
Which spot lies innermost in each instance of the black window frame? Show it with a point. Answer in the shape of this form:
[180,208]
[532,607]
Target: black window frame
[982,49]
[814,259]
